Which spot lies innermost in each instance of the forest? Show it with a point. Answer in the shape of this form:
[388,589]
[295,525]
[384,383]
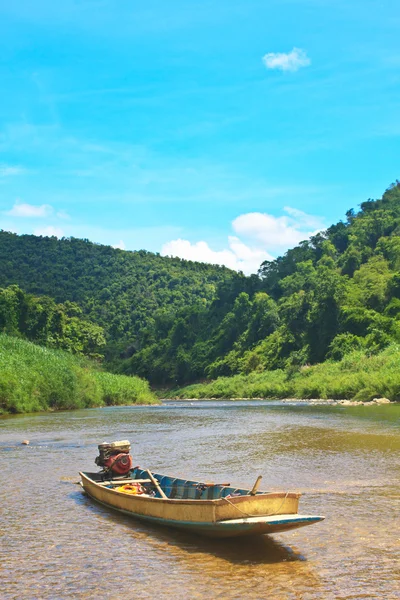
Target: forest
[41,320]
[331,295]
[175,322]
[129,294]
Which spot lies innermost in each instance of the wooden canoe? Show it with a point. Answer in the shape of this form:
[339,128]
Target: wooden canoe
[216,510]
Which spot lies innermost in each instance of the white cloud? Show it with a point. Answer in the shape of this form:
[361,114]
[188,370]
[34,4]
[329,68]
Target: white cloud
[277,233]
[290,61]
[49,231]
[303,219]
[238,257]
[30,210]
[265,237]
[120,245]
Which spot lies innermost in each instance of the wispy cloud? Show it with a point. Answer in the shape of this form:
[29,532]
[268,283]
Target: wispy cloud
[289,61]
[30,211]
[49,231]
[10,170]
[302,220]
[62,214]
[277,233]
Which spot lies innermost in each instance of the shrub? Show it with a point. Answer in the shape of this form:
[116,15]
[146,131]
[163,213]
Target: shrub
[357,376]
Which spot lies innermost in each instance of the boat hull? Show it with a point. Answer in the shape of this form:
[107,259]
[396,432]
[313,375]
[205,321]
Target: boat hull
[224,517]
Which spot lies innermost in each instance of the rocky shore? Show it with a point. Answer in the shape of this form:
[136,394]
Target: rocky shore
[314,401]
[374,402]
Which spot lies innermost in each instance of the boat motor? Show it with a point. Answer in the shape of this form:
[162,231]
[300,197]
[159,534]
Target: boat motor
[115,457]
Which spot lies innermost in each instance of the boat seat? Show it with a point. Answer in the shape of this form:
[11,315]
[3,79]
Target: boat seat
[180,489]
[204,494]
[189,490]
[174,489]
[217,490]
[198,493]
[212,492]
[166,483]
[186,489]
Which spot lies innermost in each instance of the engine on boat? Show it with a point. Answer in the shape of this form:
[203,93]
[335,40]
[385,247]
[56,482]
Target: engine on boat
[115,457]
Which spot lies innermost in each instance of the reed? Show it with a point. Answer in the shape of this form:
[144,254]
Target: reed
[356,377]
[34,378]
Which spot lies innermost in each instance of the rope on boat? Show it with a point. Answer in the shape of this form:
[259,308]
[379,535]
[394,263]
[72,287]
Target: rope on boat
[249,515]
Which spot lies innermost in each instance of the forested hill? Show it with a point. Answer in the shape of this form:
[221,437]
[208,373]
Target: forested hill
[175,321]
[130,294]
[331,295]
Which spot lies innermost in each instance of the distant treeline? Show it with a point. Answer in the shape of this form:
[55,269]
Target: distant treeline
[175,322]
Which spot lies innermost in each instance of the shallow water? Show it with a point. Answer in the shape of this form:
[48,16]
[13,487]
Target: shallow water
[57,543]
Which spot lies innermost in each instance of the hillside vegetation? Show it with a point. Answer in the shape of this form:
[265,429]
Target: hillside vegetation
[42,321]
[175,322]
[355,377]
[33,378]
[331,295]
[131,295]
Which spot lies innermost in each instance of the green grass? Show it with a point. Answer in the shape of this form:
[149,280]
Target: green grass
[357,376]
[34,378]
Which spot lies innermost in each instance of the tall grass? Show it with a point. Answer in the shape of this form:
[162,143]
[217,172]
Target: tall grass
[357,376]
[33,378]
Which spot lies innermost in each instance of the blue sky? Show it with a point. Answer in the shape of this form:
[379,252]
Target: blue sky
[218,131]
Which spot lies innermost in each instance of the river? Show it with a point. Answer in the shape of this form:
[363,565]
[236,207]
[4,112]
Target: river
[57,543]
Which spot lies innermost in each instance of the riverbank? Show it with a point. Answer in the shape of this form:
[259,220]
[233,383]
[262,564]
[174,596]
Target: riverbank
[34,378]
[356,378]
[308,401]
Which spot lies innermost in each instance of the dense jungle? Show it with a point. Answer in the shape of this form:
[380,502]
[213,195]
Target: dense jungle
[333,299]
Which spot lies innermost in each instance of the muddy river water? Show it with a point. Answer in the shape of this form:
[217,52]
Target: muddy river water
[57,543]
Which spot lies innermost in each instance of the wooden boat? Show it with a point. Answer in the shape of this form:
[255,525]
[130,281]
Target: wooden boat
[217,510]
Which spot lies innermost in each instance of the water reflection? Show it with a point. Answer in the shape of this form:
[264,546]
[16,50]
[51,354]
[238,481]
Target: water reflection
[251,550]
[346,461]
[254,568]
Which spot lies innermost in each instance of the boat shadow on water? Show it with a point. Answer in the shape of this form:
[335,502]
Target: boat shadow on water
[256,550]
